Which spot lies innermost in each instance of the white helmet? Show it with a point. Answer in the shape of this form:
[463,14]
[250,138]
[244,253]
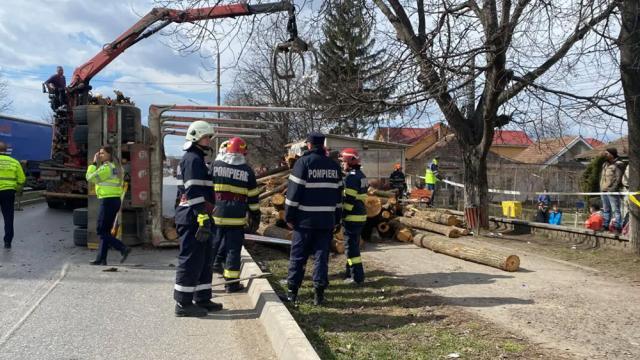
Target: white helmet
[197,130]
[223,147]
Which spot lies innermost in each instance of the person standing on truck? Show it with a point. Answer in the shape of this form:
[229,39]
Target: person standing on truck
[354,213]
[236,193]
[192,290]
[11,181]
[106,173]
[57,85]
[313,209]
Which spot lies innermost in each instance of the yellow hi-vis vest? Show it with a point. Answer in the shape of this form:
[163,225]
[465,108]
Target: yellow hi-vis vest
[107,180]
[430,177]
[11,174]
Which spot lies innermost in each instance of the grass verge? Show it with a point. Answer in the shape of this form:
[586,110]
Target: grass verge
[387,318]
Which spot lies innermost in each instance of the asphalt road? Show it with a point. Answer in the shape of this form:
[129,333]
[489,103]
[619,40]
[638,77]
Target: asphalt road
[53,305]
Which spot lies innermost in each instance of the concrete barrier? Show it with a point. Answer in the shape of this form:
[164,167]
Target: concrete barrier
[286,337]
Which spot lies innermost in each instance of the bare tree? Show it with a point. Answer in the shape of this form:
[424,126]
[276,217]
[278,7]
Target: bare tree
[630,71]
[506,47]
[5,101]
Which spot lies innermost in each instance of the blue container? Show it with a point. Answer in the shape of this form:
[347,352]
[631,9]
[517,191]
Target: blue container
[26,139]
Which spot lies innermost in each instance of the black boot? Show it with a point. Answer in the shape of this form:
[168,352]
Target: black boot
[190,310]
[318,296]
[292,296]
[234,287]
[209,305]
[7,245]
[347,274]
[98,262]
[125,253]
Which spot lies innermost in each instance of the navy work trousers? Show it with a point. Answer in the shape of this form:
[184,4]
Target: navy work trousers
[304,243]
[7,198]
[355,269]
[229,239]
[193,273]
[107,212]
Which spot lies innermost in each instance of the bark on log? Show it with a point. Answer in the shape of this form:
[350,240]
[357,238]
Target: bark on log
[440,218]
[337,246]
[273,171]
[382,193]
[463,231]
[276,190]
[401,232]
[373,205]
[279,174]
[274,231]
[422,224]
[479,255]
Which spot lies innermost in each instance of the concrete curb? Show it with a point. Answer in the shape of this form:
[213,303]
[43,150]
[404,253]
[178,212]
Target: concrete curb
[286,337]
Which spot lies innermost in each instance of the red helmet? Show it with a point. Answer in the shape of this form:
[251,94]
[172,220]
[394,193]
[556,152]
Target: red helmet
[350,156]
[237,146]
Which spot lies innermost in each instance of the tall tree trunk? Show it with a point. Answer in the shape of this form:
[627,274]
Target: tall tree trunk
[630,72]
[475,182]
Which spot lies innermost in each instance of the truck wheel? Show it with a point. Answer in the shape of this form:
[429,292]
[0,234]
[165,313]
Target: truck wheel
[80,237]
[55,203]
[81,134]
[80,218]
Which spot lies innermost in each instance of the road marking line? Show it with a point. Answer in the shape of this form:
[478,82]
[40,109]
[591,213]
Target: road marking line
[24,318]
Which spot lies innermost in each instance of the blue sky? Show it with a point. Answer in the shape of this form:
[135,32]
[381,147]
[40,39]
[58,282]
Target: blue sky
[38,35]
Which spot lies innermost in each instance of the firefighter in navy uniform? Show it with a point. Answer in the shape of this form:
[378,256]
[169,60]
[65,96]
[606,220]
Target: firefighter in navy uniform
[221,255]
[313,210]
[354,213]
[194,224]
[236,192]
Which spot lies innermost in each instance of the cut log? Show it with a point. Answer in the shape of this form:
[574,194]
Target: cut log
[281,216]
[373,205]
[274,231]
[463,231]
[385,214]
[337,246]
[383,227]
[439,218]
[404,235]
[276,190]
[277,175]
[502,261]
[277,200]
[273,171]
[382,193]
[422,224]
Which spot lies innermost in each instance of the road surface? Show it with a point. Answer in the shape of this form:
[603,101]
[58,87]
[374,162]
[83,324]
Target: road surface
[56,306]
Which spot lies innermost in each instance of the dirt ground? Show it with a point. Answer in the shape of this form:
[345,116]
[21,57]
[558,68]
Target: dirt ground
[582,302]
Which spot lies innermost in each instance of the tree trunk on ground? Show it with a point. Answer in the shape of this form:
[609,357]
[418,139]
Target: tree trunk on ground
[421,224]
[275,232]
[630,72]
[467,252]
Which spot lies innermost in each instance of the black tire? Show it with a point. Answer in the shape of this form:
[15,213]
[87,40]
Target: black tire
[81,134]
[80,217]
[81,115]
[54,203]
[80,237]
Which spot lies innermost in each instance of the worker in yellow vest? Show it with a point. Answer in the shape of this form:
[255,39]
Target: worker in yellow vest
[106,174]
[431,177]
[11,181]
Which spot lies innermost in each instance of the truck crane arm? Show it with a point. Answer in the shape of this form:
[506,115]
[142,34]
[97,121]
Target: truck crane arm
[156,20]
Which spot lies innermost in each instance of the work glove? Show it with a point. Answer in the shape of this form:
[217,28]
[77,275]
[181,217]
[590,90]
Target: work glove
[204,228]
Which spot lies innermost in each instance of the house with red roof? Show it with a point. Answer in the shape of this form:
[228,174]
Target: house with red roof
[510,143]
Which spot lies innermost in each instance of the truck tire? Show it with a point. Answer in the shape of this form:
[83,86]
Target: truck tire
[80,217]
[81,134]
[80,237]
[54,203]
[81,115]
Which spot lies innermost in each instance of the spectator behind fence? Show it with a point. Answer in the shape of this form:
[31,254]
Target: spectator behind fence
[542,215]
[555,216]
[544,198]
[611,182]
[595,220]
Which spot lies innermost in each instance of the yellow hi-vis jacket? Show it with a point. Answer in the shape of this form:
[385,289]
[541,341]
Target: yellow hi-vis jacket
[11,174]
[107,179]
[430,177]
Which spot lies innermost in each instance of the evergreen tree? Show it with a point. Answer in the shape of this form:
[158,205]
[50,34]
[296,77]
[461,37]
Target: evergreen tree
[351,72]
